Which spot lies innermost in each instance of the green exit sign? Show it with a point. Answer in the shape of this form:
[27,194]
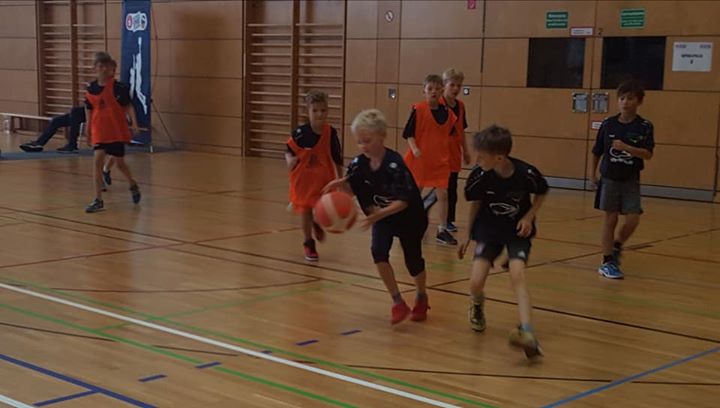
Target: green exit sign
[632,18]
[556,19]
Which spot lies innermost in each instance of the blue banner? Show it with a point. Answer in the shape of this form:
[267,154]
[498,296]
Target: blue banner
[135,62]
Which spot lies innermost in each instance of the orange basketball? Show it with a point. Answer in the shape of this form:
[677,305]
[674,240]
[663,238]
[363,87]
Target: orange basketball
[335,212]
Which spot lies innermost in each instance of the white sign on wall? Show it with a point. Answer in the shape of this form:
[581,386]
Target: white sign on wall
[692,56]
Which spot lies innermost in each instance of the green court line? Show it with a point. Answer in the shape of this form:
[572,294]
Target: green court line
[261,346]
[223,305]
[177,356]
[628,300]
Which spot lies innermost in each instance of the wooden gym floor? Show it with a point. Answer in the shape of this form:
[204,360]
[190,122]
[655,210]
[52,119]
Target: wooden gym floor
[199,297]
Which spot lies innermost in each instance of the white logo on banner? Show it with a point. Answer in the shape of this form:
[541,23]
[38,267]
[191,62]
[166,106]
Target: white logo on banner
[136,22]
[136,77]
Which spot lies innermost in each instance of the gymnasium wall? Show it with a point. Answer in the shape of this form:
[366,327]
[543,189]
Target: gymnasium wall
[393,44]
[18,58]
[197,68]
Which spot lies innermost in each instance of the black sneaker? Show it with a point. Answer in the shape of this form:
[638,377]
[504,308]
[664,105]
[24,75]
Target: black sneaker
[135,190]
[67,149]
[476,315]
[429,200]
[106,177]
[445,238]
[32,147]
[451,227]
[95,206]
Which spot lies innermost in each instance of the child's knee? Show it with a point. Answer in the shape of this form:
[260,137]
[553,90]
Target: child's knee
[517,274]
[415,266]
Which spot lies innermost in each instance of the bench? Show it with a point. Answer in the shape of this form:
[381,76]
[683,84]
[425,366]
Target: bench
[12,117]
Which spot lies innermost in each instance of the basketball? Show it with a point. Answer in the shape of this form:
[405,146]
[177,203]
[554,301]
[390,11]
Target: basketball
[335,212]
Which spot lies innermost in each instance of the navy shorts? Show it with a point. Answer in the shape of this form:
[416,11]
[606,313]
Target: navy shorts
[517,249]
[410,236]
[116,149]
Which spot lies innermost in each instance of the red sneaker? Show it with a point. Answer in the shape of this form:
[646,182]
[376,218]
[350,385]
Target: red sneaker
[319,232]
[419,311]
[310,251]
[400,312]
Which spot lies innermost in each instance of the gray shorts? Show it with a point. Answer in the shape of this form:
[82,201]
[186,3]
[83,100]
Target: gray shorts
[622,196]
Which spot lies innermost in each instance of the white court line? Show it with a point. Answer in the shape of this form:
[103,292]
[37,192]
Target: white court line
[11,402]
[232,347]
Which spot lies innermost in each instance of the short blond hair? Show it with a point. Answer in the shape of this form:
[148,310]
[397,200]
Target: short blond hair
[451,74]
[315,96]
[370,119]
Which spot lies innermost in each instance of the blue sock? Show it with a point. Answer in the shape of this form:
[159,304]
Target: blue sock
[397,298]
[526,327]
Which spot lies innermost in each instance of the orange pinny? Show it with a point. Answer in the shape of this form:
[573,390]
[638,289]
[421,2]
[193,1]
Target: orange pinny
[457,140]
[432,168]
[108,123]
[315,169]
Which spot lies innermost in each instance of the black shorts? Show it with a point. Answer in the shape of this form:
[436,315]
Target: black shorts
[410,236]
[116,149]
[517,249]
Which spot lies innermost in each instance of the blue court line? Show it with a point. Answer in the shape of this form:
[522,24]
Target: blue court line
[632,378]
[152,378]
[347,333]
[208,365]
[75,381]
[306,342]
[65,398]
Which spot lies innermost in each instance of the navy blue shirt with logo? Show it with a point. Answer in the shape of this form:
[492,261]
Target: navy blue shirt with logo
[619,164]
[390,182]
[504,201]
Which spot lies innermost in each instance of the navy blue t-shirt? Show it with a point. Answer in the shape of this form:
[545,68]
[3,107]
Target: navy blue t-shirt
[390,182]
[503,201]
[619,164]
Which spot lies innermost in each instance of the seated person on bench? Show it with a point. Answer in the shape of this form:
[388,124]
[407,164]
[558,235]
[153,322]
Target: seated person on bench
[73,119]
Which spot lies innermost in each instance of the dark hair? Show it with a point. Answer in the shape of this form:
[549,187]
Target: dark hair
[493,139]
[433,79]
[632,87]
[103,57]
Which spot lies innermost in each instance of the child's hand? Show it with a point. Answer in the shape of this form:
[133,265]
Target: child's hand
[594,180]
[135,129]
[366,223]
[524,227]
[292,162]
[333,185]
[466,158]
[619,145]
[416,152]
[462,248]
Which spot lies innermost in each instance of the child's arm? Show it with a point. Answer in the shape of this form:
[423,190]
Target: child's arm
[88,120]
[130,111]
[524,226]
[292,161]
[462,247]
[341,184]
[409,134]
[466,151]
[395,207]
[594,170]
[638,152]
[413,147]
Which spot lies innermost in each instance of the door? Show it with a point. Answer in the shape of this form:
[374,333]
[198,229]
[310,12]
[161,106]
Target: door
[646,42]
[536,81]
